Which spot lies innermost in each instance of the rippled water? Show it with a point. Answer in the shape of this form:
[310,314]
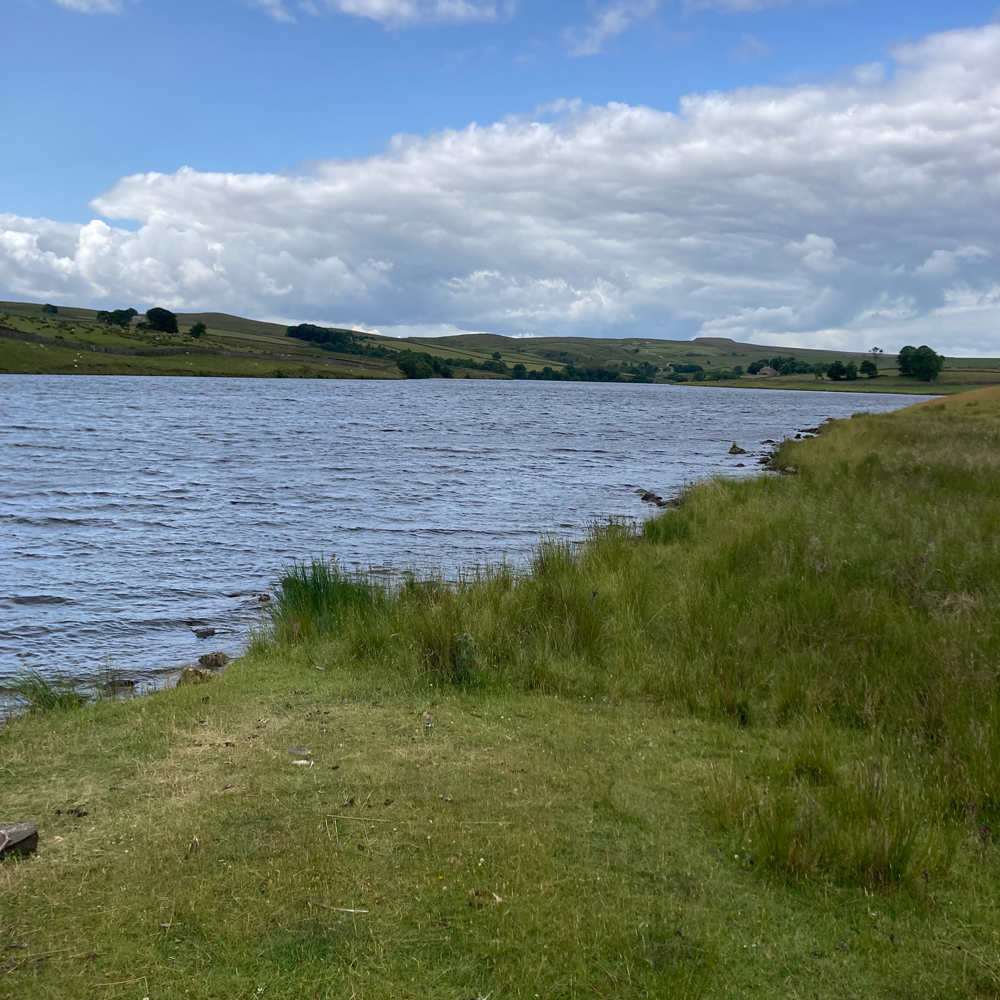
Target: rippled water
[134,509]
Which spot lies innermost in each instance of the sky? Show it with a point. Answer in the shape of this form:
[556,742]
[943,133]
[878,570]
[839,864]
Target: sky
[787,172]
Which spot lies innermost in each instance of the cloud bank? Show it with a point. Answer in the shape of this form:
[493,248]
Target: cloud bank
[850,213]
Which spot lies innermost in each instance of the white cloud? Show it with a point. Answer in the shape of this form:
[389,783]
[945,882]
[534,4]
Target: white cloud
[608,22]
[945,263]
[852,212]
[92,6]
[396,13]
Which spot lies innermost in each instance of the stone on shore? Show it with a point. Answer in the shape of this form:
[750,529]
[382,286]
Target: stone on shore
[194,675]
[213,661]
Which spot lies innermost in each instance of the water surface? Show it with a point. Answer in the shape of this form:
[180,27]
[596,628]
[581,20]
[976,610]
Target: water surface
[135,509]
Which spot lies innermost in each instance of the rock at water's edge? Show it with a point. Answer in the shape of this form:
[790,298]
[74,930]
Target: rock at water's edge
[194,675]
[213,661]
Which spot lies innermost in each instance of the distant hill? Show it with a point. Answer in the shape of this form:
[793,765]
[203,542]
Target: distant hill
[40,340]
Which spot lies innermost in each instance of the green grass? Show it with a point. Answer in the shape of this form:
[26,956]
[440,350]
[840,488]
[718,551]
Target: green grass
[751,749]
[265,340]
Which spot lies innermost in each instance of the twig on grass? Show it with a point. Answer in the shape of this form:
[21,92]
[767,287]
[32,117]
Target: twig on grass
[338,909]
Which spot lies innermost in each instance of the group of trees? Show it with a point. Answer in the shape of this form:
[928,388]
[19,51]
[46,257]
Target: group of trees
[341,341]
[157,319]
[921,363]
[117,317]
[783,365]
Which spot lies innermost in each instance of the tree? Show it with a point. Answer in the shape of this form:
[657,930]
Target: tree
[496,355]
[520,371]
[117,317]
[903,359]
[836,372]
[921,363]
[50,309]
[850,371]
[819,370]
[868,369]
[197,330]
[926,364]
[161,320]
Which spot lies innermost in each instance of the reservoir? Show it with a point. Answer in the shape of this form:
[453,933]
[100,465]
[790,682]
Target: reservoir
[133,510]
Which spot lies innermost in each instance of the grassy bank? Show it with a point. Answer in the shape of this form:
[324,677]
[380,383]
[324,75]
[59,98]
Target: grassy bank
[751,749]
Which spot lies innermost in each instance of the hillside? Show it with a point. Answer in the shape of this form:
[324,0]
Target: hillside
[72,341]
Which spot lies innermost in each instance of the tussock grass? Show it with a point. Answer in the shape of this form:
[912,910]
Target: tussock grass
[753,746]
[34,692]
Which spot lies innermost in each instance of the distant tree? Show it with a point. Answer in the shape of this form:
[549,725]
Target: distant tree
[850,371]
[50,309]
[737,369]
[903,359]
[519,371]
[836,371]
[496,355]
[868,369]
[414,365]
[117,317]
[161,320]
[197,330]
[925,364]
[819,370]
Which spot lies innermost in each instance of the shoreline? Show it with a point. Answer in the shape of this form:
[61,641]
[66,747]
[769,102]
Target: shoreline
[651,767]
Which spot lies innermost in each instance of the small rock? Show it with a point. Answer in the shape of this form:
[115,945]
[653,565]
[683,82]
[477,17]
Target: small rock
[204,633]
[18,838]
[213,661]
[194,675]
[740,465]
[737,450]
[299,752]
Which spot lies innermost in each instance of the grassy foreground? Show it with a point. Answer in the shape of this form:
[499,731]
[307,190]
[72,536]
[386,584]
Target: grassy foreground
[752,749]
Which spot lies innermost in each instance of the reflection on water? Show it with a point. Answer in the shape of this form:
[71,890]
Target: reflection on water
[133,510]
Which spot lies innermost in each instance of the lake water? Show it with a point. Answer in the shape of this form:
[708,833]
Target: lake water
[133,509]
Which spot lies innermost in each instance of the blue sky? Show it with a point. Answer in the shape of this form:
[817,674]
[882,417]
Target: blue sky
[308,94]
[219,85]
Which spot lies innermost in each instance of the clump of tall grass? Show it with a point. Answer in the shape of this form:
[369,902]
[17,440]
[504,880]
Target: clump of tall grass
[312,598]
[34,692]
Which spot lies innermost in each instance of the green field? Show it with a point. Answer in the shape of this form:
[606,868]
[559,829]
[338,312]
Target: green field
[71,331]
[751,749]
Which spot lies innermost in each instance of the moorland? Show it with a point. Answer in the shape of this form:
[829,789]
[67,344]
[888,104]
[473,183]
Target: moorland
[34,339]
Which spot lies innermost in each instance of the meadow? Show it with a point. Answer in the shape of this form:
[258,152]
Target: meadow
[750,748]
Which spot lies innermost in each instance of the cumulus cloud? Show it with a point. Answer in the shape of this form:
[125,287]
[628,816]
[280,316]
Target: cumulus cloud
[392,13]
[608,22]
[846,213]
